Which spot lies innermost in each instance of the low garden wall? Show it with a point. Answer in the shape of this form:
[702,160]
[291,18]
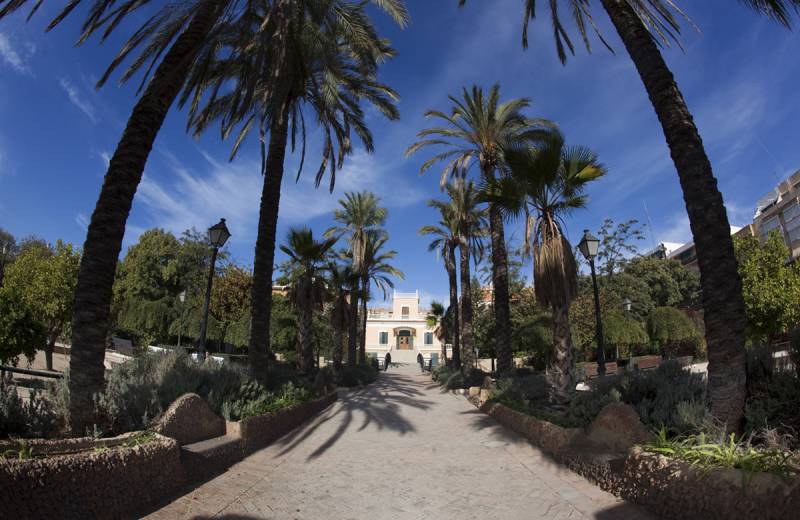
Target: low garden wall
[124,476]
[668,488]
[101,483]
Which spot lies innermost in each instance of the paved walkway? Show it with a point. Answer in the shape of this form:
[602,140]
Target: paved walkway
[400,449]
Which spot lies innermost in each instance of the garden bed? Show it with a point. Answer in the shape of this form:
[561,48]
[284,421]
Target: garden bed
[667,487]
[87,478]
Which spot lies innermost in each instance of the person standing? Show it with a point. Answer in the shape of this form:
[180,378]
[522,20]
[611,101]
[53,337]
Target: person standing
[387,361]
[421,362]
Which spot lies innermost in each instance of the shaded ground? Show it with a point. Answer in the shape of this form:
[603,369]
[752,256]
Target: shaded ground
[400,449]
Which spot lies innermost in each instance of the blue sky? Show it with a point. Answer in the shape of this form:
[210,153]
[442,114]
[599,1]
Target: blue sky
[739,76]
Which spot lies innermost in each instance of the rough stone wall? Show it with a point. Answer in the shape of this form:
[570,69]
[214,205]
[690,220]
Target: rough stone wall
[258,432]
[668,488]
[189,419]
[113,483]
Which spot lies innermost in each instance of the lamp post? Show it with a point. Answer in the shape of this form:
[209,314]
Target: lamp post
[626,305]
[182,298]
[588,246]
[218,234]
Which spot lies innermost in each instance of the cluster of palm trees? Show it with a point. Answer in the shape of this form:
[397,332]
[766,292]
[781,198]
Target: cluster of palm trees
[319,274]
[262,64]
[525,170]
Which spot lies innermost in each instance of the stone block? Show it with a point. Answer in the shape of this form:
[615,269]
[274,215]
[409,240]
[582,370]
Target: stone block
[474,391]
[189,419]
[618,427]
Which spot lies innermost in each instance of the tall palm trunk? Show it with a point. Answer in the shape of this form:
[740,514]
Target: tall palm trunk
[450,265]
[264,261]
[561,373]
[502,314]
[107,226]
[362,351]
[338,347]
[467,338]
[352,337]
[722,289]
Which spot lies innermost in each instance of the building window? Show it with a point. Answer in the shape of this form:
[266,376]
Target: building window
[429,338]
[383,338]
[404,313]
[769,225]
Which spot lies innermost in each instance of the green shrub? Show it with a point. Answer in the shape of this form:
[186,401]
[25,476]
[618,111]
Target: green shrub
[528,388]
[586,405]
[655,394]
[252,401]
[35,417]
[727,452]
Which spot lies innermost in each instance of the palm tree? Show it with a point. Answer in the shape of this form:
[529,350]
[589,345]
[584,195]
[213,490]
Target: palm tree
[546,184]
[471,225]
[340,280]
[194,26]
[477,130]
[359,215]
[436,320]
[323,58]
[643,25]
[377,270]
[306,255]
[445,241]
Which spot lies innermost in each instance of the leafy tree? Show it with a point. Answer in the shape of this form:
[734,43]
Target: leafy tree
[230,303]
[583,319]
[20,332]
[477,130]
[771,286]
[617,244]
[673,331]
[44,279]
[308,287]
[546,183]
[622,332]
[359,215]
[669,283]
[445,240]
[8,251]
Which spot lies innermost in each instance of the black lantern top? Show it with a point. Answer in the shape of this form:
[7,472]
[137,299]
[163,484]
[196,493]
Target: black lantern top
[218,234]
[589,245]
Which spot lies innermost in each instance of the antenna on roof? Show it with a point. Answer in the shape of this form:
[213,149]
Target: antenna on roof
[650,226]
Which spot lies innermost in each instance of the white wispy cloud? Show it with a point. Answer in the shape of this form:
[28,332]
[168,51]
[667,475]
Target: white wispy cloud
[12,57]
[74,95]
[82,221]
[676,229]
[233,190]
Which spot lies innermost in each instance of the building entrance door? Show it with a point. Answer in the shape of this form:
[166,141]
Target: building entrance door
[404,341]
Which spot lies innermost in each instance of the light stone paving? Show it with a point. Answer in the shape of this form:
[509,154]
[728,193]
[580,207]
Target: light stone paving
[399,449]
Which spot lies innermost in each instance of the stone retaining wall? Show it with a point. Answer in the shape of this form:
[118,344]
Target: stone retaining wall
[103,478]
[258,432]
[102,483]
[668,488]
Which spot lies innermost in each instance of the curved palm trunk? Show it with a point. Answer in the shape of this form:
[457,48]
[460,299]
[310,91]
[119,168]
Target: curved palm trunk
[502,314]
[722,289]
[352,337]
[467,338]
[107,226]
[264,261]
[450,265]
[561,373]
[362,350]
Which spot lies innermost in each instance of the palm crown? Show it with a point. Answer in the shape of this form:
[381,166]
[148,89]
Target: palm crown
[478,129]
[359,215]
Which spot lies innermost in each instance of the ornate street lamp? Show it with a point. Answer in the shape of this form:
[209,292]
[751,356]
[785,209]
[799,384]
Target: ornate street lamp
[182,298]
[588,246]
[218,234]
[626,305]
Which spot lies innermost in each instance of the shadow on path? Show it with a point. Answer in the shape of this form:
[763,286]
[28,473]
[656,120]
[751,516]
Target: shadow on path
[378,404]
